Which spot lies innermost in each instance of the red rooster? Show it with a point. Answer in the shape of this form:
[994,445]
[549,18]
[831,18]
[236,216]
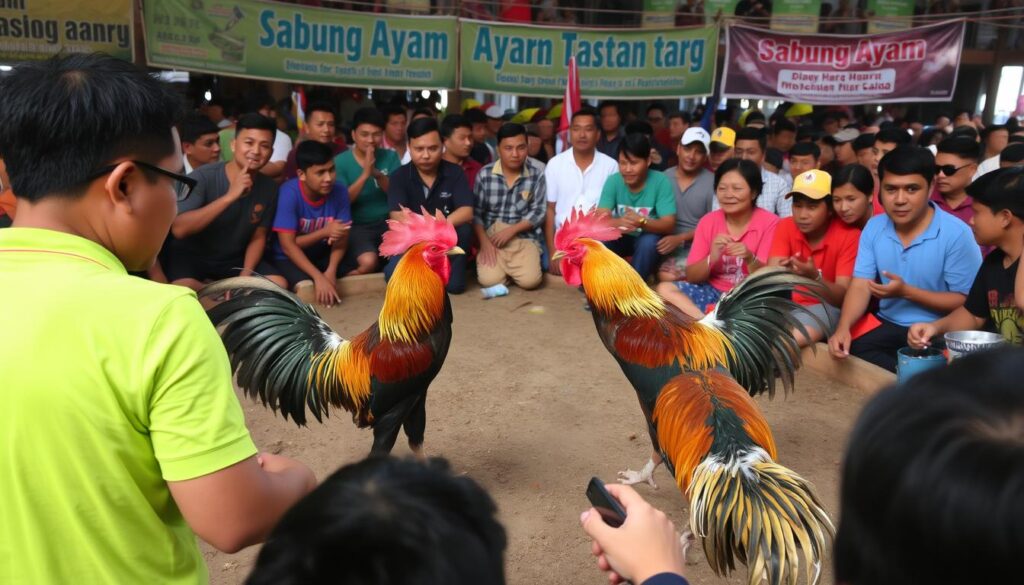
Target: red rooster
[703,424]
[284,353]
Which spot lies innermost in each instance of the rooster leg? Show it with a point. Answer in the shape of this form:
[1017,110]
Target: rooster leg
[645,475]
[387,426]
[417,451]
[415,425]
[691,553]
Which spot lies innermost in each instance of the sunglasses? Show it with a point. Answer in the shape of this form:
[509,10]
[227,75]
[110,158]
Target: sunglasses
[949,170]
[183,185]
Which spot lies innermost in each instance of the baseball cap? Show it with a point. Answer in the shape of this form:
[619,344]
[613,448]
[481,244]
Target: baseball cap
[696,135]
[724,136]
[814,184]
[845,135]
[495,112]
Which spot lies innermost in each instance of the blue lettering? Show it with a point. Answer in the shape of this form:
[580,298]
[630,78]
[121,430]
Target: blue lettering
[482,46]
[267,32]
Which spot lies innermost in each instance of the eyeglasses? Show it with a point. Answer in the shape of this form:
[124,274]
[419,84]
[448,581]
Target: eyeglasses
[183,185]
[949,170]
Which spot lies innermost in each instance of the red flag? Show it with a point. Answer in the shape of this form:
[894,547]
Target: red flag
[571,104]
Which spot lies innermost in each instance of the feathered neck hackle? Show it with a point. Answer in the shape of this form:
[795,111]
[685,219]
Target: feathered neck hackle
[611,285]
[413,300]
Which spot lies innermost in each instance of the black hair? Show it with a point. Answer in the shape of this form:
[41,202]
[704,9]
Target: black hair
[834,116]
[391,521]
[311,152]
[392,110]
[194,126]
[757,134]
[1015,139]
[510,130]
[989,130]
[863,142]
[908,160]
[423,112]
[964,131]
[755,116]
[256,122]
[684,116]
[656,106]
[63,118]
[451,123]
[773,156]
[958,111]
[610,104]
[639,127]
[783,125]
[805,149]
[475,116]
[857,175]
[1013,153]
[422,126]
[368,115]
[934,469]
[255,102]
[320,106]
[893,135]
[636,144]
[585,111]
[750,172]
[962,147]
[1000,189]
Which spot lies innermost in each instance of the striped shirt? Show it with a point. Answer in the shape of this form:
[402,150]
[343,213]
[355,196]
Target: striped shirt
[526,199]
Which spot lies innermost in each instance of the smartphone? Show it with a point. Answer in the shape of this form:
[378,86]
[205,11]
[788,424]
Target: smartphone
[608,507]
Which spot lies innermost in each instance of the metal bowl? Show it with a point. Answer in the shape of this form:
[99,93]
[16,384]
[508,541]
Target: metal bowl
[961,343]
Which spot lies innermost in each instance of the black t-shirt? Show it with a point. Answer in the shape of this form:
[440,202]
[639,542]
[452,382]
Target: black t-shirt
[227,236]
[449,192]
[991,297]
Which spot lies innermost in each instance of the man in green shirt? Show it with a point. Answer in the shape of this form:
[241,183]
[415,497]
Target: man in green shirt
[122,435]
[365,169]
[641,203]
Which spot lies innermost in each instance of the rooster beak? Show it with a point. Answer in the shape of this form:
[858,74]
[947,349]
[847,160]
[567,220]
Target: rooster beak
[558,256]
[455,251]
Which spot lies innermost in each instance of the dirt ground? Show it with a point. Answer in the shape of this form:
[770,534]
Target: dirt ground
[531,405]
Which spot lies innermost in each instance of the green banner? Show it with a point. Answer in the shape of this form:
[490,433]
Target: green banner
[532,60]
[37,29]
[713,7]
[659,13]
[268,40]
[796,15]
[889,15]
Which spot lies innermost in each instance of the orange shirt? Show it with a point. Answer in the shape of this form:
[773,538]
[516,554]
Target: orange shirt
[8,204]
[835,255]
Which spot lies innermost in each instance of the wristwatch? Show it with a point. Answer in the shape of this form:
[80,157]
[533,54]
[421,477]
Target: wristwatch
[643,221]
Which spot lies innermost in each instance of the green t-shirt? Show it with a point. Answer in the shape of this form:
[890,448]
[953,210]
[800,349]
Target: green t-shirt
[655,200]
[111,387]
[372,204]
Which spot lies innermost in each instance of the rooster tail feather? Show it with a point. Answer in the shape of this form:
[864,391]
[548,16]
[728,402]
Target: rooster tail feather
[283,353]
[748,508]
[758,319]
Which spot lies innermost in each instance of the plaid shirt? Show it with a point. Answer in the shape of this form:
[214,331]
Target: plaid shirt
[526,200]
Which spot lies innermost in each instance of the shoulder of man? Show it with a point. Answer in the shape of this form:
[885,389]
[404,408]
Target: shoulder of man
[210,172]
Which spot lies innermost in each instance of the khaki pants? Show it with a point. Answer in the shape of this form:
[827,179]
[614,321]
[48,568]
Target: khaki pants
[519,261]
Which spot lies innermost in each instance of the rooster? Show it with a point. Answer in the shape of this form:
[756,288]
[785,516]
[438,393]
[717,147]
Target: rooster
[284,353]
[706,428]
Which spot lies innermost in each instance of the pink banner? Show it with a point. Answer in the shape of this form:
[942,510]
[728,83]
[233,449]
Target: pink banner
[916,65]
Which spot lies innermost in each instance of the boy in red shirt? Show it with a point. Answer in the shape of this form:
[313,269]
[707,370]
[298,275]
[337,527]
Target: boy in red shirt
[816,244]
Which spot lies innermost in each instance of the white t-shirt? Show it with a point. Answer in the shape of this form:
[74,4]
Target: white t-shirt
[282,147]
[570,188]
[987,166]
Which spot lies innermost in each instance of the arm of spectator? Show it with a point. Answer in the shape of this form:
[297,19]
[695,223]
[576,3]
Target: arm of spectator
[920,335]
[195,214]
[855,304]
[355,189]
[239,505]
[254,251]
[461,215]
[661,226]
[944,302]
[488,253]
[646,544]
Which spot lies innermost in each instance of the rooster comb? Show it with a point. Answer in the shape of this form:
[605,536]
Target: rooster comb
[590,224]
[414,228]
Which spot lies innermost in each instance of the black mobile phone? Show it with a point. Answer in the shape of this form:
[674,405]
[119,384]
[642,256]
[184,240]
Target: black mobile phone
[608,507]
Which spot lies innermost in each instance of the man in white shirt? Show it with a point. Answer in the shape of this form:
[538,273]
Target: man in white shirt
[751,145]
[575,177]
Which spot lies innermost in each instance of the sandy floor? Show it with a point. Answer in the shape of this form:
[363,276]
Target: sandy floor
[531,405]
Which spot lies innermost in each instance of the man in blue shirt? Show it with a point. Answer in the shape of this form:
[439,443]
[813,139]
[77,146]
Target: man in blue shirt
[918,260]
[431,183]
[312,222]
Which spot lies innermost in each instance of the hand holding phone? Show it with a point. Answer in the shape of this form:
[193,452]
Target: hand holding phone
[608,507]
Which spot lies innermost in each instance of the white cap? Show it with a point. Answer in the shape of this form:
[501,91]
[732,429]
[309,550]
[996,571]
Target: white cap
[494,112]
[694,134]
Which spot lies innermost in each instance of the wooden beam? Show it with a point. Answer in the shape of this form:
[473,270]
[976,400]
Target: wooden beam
[851,371]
